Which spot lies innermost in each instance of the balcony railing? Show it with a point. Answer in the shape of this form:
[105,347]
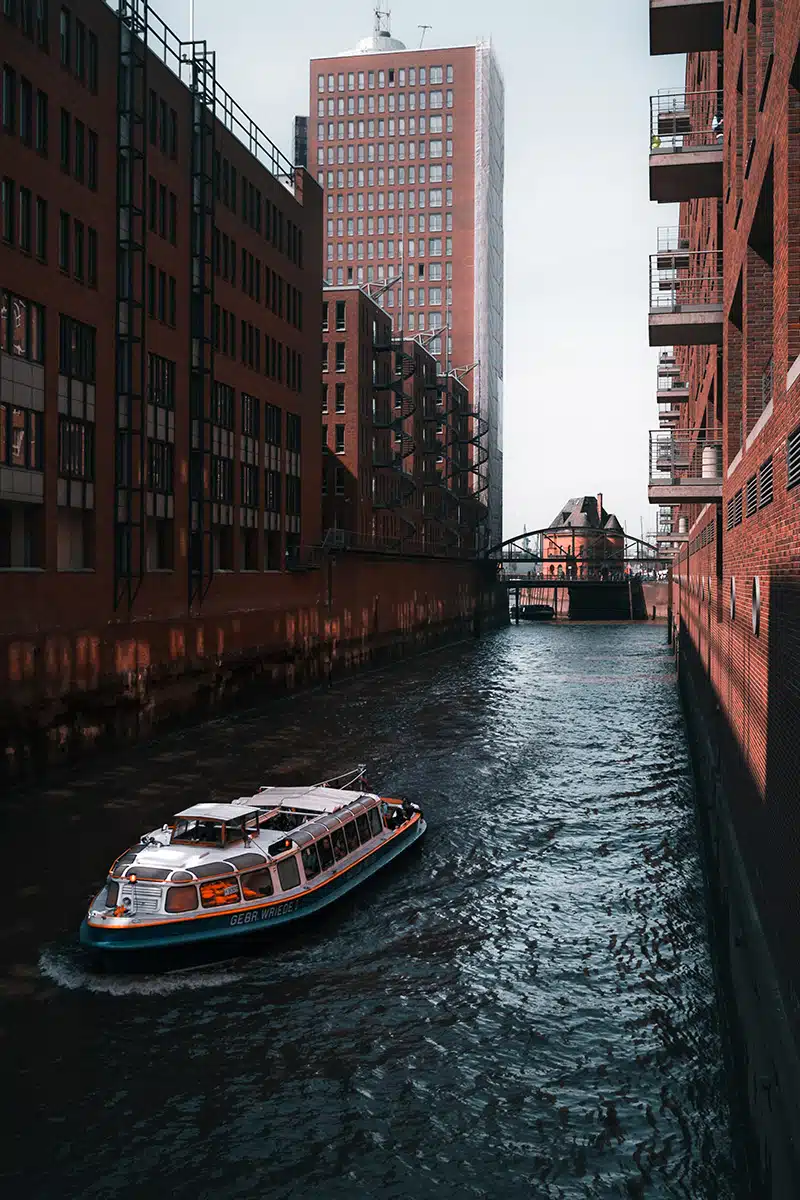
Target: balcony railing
[690,280]
[682,121]
[685,466]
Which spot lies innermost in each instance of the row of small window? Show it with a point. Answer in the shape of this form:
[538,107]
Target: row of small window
[374,152]
[22,333]
[386,78]
[77,250]
[372,274]
[161,296]
[758,493]
[251,495]
[34,18]
[22,443]
[339,477]
[281,363]
[79,155]
[162,124]
[23,220]
[78,53]
[279,296]
[338,438]
[339,398]
[369,176]
[223,405]
[381,127]
[355,250]
[379,201]
[162,210]
[23,113]
[283,233]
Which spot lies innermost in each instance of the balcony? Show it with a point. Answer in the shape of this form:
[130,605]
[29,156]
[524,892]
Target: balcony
[686,298]
[668,416]
[685,467]
[685,26]
[685,146]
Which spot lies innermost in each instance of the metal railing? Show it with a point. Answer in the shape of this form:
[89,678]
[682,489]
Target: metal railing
[684,454]
[689,280]
[672,238]
[682,120]
[671,383]
[343,539]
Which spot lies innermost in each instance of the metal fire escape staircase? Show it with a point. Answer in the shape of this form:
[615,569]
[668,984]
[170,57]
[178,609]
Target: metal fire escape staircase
[393,412]
[130,440]
[440,405]
[201,379]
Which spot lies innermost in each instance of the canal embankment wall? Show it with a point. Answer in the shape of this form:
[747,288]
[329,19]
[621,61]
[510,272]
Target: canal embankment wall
[751,867]
[67,688]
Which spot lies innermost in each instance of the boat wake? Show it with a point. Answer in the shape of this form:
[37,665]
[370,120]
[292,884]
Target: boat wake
[72,970]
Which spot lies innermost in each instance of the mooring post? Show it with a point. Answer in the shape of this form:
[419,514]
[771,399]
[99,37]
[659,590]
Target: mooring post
[517,612]
[630,599]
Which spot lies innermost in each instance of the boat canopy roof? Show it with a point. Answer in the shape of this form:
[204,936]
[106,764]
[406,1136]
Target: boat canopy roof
[216,812]
[309,799]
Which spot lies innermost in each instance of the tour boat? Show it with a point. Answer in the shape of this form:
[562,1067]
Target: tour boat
[222,870]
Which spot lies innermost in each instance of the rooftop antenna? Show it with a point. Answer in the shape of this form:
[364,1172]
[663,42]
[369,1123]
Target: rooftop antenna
[424,29]
[381,15]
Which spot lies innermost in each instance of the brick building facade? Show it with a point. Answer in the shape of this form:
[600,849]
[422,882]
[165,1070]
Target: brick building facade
[726,296]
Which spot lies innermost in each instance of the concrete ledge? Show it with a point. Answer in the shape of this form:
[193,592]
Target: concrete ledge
[685,26]
[695,327]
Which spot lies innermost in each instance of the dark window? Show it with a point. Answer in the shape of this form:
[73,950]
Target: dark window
[41,228]
[26,112]
[42,38]
[78,251]
[152,117]
[272,425]
[272,491]
[41,122]
[9,100]
[340,314]
[80,150]
[173,218]
[293,495]
[325,850]
[324,397]
[222,405]
[351,833]
[173,133]
[162,125]
[80,50]
[92,164]
[76,349]
[160,467]
[7,209]
[63,241]
[250,412]
[162,210]
[249,485]
[151,290]
[339,445]
[340,356]
[325,317]
[310,861]
[180,899]
[160,381]
[221,479]
[339,844]
[65,140]
[162,295]
[288,873]
[364,831]
[91,266]
[293,432]
[340,397]
[172,305]
[65,36]
[92,62]
[152,202]
[75,448]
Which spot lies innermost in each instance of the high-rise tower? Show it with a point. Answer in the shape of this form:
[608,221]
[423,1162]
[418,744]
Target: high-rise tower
[408,145]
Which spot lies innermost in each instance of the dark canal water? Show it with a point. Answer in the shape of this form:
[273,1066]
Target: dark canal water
[522,1008]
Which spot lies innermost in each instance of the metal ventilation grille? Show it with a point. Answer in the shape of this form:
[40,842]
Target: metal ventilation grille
[735,510]
[793,458]
[144,897]
[765,483]
[752,495]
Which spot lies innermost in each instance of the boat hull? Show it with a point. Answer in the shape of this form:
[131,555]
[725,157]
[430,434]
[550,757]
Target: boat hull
[169,932]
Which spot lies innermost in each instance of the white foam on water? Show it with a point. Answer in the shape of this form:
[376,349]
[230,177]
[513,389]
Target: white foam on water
[65,969]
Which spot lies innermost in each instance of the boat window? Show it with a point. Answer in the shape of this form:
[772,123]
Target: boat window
[325,853]
[351,833]
[204,832]
[339,844]
[311,861]
[257,883]
[375,821]
[221,891]
[112,894]
[234,832]
[122,862]
[183,899]
[364,831]
[242,861]
[203,870]
[288,873]
[141,872]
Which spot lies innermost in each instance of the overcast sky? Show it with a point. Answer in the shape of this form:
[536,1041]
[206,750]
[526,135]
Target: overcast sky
[579,376]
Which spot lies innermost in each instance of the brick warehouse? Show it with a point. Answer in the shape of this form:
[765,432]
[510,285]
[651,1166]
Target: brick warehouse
[160,441]
[404,454]
[725,299]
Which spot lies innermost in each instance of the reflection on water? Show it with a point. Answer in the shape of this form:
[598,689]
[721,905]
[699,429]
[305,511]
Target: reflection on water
[524,1007]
